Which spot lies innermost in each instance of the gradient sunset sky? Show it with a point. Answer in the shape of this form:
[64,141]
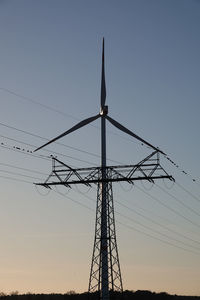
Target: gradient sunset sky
[50,58]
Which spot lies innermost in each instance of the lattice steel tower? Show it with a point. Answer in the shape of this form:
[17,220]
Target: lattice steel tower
[105,274]
[105,258]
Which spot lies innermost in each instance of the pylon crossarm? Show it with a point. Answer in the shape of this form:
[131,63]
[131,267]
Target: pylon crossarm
[60,179]
[45,184]
[73,171]
[68,173]
[116,175]
[147,169]
[93,175]
[148,158]
[148,177]
[95,181]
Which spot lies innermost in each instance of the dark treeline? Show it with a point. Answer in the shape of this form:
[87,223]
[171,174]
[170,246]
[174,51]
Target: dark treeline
[126,295]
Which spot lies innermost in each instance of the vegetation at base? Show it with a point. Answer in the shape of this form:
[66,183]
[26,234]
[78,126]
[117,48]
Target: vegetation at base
[71,295]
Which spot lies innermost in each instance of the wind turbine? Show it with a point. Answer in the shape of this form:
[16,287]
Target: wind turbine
[103,115]
[105,269]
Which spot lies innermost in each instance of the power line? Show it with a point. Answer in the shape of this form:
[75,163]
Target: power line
[74,148]
[58,143]
[179,201]
[57,111]
[77,159]
[147,218]
[38,103]
[45,139]
[30,152]
[194,180]
[46,150]
[19,95]
[188,192]
[125,225]
[24,152]
[153,221]
[156,238]
[24,169]
[157,232]
[157,223]
[43,157]
[15,179]
[18,150]
[75,118]
[19,174]
[83,151]
[75,201]
[133,228]
[168,207]
[147,227]
[149,211]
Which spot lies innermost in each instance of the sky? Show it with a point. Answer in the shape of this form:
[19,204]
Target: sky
[50,58]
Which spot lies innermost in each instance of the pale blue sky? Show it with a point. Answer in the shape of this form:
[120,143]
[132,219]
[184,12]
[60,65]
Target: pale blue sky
[51,53]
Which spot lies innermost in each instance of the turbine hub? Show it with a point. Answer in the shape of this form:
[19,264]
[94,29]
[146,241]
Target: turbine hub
[104,110]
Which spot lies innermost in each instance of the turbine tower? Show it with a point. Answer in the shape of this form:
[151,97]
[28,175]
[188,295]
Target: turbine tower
[105,274]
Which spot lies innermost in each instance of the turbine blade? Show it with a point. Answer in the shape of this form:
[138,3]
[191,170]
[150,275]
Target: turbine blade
[124,129]
[77,126]
[103,83]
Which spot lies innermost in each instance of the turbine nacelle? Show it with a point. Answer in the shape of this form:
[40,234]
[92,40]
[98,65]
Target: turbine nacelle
[104,110]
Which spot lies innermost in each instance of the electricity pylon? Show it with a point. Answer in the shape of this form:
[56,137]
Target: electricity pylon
[105,274]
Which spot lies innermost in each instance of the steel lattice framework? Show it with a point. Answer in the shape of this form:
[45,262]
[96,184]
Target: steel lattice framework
[114,273]
[105,274]
[148,169]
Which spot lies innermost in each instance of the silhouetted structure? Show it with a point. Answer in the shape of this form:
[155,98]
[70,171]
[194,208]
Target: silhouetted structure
[105,274]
